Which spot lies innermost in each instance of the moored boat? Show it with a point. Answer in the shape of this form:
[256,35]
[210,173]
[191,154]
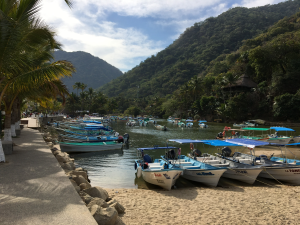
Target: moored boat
[78,147]
[160,172]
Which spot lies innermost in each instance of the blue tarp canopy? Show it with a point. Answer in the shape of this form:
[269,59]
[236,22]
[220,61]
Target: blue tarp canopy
[155,148]
[202,121]
[185,141]
[295,143]
[218,143]
[189,120]
[281,129]
[247,142]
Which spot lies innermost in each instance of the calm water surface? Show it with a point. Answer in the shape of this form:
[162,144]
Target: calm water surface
[116,169]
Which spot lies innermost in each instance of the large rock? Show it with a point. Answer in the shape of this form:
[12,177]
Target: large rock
[85,186]
[113,203]
[97,192]
[85,197]
[80,180]
[104,216]
[61,158]
[119,221]
[98,201]
[120,209]
[68,166]
[77,173]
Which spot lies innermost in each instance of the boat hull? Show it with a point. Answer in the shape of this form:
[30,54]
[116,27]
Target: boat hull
[287,174]
[208,177]
[247,175]
[163,178]
[72,148]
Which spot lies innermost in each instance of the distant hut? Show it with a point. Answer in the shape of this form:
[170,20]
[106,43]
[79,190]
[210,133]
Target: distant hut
[243,84]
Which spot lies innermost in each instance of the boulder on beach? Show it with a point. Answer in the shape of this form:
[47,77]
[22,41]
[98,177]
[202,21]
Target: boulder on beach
[98,201]
[80,180]
[67,166]
[61,157]
[97,192]
[77,173]
[85,186]
[104,216]
[113,203]
[85,197]
[119,221]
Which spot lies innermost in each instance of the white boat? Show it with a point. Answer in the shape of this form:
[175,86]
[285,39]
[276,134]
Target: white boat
[202,124]
[160,127]
[274,170]
[160,172]
[78,147]
[235,170]
[198,171]
[189,123]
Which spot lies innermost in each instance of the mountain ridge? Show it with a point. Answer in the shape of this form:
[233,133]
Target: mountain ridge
[90,70]
[192,52]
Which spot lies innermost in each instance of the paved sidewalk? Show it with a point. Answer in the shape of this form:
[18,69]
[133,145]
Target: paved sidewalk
[35,190]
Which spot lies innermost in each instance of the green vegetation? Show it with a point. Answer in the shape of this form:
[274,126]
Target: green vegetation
[197,74]
[191,54]
[26,47]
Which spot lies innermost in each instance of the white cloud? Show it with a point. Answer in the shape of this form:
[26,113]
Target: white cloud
[256,3]
[85,27]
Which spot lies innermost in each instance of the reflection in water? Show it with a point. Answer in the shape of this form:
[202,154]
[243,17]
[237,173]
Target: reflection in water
[115,169]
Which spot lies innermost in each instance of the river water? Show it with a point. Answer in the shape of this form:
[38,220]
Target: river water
[116,169]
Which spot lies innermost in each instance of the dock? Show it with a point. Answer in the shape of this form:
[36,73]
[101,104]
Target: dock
[34,188]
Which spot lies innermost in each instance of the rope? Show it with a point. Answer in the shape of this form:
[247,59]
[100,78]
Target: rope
[273,177]
[255,179]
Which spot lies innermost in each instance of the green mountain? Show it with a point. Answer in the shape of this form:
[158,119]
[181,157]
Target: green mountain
[271,60]
[191,54]
[90,70]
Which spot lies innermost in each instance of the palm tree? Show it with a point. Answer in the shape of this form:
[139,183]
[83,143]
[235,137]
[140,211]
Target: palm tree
[77,86]
[83,86]
[20,34]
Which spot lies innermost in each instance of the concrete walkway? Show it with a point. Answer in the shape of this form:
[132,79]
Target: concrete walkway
[35,190]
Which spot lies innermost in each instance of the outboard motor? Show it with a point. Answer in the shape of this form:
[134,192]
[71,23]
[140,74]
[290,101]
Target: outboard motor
[196,153]
[263,157]
[219,135]
[147,159]
[120,139]
[126,138]
[171,154]
[226,152]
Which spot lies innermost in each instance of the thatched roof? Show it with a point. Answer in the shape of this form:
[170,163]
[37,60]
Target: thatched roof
[243,81]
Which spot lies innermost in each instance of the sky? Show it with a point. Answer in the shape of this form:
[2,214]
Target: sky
[126,32]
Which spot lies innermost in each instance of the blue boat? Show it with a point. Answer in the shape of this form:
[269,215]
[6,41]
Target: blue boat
[160,172]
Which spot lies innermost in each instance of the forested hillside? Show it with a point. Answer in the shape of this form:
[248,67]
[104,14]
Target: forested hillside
[190,55]
[91,70]
[272,60]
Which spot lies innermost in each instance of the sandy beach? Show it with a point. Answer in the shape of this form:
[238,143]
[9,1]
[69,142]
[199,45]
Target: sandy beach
[201,205]
[232,202]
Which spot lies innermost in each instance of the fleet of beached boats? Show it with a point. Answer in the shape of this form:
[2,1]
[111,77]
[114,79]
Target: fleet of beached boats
[92,134]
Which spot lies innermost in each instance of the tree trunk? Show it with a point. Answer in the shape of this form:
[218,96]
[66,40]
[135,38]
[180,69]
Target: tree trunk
[7,126]
[14,118]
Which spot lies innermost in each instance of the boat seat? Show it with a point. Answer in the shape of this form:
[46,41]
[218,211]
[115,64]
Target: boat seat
[190,167]
[185,165]
[154,164]
[246,161]
[155,168]
[222,165]
[212,161]
[203,158]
